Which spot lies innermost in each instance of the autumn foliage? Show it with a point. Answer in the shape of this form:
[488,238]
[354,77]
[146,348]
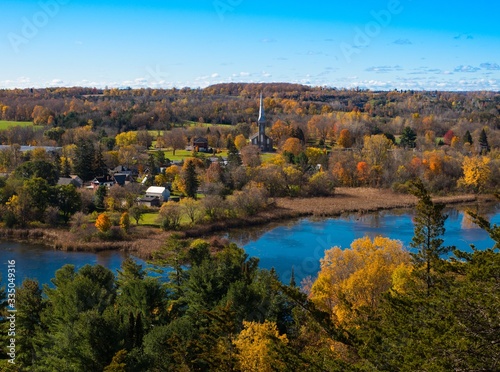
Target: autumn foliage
[103,223]
[355,278]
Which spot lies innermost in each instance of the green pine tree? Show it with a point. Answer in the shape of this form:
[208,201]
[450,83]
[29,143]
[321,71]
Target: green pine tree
[467,138]
[191,180]
[408,138]
[483,142]
[429,226]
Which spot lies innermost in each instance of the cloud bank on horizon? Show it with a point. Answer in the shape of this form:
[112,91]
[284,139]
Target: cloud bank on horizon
[378,45]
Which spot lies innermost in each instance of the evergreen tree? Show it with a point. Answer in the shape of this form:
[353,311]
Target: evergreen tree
[408,138]
[483,142]
[99,197]
[100,167]
[83,329]
[191,180]
[467,138]
[84,161]
[29,308]
[429,226]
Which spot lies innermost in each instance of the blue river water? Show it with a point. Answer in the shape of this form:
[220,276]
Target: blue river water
[299,244]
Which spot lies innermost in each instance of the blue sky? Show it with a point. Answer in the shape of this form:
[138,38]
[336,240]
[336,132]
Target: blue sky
[391,44]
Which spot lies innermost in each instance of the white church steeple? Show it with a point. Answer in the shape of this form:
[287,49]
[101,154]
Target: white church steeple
[260,139]
[262,115]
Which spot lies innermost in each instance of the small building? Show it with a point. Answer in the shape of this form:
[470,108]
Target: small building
[121,169]
[200,144]
[121,178]
[149,201]
[103,180]
[63,181]
[161,192]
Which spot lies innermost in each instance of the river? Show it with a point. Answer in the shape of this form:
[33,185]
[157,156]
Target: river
[299,244]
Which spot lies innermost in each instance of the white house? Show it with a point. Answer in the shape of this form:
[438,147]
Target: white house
[161,192]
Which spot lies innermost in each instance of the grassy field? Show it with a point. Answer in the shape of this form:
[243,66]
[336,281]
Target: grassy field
[188,123]
[4,124]
[183,154]
[267,156]
[149,219]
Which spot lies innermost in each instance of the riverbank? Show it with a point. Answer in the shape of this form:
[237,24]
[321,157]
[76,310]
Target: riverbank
[346,200]
[144,240]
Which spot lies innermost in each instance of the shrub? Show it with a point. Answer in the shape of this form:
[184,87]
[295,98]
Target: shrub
[103,223]
[125,221]
[51,216]
[170,215]
[249,201]
[215,207]
[320,184]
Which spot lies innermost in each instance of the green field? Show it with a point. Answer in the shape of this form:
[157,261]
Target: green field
[4,124]
[183,154]
[149,219]
[267,156]
[188,123]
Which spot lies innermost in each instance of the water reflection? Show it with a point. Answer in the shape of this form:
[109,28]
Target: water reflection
[41,263]
[301,243]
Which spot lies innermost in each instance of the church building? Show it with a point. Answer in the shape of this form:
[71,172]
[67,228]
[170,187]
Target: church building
[260,139]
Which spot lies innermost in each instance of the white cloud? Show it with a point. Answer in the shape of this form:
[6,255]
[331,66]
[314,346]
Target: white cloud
[383,69]
[466,68]
[490,66]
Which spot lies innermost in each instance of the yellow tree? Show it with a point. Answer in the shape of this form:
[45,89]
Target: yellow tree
[315,155]
[292,145]
[171,172]
[354,279]
[125,221]
[376,148]
[103,223]
[126,139]
[476,172]
[258,347]
[240,141]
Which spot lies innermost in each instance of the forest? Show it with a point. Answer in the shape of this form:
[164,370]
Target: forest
[208,306]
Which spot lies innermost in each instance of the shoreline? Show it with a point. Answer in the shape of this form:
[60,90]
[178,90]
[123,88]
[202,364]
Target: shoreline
[145,240]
